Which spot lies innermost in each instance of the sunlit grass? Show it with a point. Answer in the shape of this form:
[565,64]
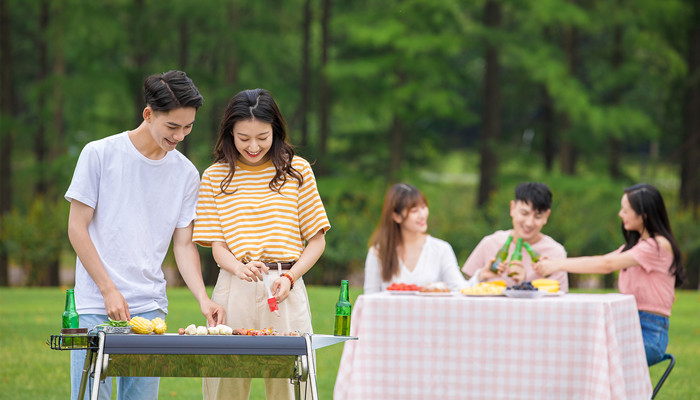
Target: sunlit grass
[29,316]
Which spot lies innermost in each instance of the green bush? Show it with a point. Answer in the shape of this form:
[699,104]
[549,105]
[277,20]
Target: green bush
[36,237]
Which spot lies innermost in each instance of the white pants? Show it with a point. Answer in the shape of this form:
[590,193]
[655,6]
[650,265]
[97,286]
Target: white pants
[246,307]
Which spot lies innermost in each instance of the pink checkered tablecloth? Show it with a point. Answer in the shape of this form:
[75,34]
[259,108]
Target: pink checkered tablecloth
[576,346]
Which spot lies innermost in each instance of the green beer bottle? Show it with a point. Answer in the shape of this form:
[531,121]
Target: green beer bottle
[70,316]
[535,256]
[502,254]
[343,309]
[517,253]
[70,319]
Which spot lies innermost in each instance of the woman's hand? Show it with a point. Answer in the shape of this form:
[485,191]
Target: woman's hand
[281,288]
[545,267]
[250,272]
[486,273]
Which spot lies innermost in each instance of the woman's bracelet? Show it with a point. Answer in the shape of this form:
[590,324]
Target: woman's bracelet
[290,276]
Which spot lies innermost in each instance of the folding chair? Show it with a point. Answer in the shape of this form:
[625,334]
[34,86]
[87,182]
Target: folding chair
[666,356]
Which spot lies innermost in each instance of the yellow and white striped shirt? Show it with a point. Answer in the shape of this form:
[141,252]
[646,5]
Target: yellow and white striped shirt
[257,223]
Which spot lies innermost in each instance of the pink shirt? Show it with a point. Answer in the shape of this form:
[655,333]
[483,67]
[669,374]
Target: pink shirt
[489,246]
[651,284]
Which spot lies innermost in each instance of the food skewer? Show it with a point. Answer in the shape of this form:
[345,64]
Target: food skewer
[271,300]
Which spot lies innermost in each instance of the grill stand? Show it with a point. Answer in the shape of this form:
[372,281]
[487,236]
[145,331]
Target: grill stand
[97,363]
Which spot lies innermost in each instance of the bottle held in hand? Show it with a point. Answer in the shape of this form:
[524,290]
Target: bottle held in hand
[517,253]
[343,310]
[535,256]
[502,255]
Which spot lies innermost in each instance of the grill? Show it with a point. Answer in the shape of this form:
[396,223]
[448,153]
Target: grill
[173,355]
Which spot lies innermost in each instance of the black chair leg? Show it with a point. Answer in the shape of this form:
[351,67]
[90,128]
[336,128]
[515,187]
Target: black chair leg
[666,373]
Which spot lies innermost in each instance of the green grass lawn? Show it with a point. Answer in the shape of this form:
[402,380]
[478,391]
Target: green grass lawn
[31,370]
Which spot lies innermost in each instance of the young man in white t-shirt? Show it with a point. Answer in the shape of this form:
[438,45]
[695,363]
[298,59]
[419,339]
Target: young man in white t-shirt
[131,194]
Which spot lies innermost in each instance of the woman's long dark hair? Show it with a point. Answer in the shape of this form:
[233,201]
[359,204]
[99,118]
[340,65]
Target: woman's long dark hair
[400,198]
[647,202]
[250,105]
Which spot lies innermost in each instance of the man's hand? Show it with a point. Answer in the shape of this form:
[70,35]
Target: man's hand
[215,313]
[116,306]
[516,271]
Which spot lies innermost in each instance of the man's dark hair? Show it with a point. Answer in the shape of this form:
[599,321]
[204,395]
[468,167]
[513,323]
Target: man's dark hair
[171,90]
[536,194]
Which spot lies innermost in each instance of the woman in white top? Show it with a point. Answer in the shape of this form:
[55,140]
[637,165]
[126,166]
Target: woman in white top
[400,249]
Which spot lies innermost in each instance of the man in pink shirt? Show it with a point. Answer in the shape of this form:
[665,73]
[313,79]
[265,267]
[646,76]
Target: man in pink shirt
[529,210]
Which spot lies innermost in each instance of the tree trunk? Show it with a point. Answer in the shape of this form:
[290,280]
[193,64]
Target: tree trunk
[568,150]
[305,75]
[139,44]
[548,147]
[396,135]
[690,158]
[614,143]
[324,89]
[7,112]
[184,56]
[40,135]
[490,120]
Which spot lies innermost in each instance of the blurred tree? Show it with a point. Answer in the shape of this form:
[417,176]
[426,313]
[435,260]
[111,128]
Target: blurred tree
[324,95]
[305,89]
[8,113]
[491,118]
[690,159]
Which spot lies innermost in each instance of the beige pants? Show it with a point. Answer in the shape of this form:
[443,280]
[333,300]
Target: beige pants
[246,307]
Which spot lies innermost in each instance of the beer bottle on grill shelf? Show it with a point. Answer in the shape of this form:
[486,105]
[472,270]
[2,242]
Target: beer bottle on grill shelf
[343,310]
[502,254]
[535,256]
[70,316]
[517,253]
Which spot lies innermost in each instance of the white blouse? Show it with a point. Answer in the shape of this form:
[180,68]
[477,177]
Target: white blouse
[437,263]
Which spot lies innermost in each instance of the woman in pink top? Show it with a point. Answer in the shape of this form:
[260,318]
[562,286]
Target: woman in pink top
[650,264]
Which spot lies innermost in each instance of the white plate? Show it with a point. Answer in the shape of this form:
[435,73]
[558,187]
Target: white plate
[482,295]
[559,293]
[524,294]
[434,294]
[404,292]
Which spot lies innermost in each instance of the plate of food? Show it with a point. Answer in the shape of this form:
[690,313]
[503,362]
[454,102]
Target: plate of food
[550,286]
[495,288]
[524,294]
[403,288]
[435,289]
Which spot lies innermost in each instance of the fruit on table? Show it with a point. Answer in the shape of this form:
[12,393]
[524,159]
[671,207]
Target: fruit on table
[523,286]
[403,287]
[550,285]
[141,325]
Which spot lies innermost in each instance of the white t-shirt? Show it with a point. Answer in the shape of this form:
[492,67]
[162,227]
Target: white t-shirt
[437,263]
[138,203]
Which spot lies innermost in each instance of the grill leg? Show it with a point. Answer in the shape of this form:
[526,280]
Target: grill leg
[86,369]
[98,366]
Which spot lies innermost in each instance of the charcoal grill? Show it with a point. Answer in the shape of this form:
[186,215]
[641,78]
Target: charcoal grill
[173,355]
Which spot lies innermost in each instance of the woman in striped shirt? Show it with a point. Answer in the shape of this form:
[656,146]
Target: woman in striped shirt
[260,212]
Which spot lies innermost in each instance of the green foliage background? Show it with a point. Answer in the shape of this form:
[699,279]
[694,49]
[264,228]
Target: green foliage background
[405,80]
